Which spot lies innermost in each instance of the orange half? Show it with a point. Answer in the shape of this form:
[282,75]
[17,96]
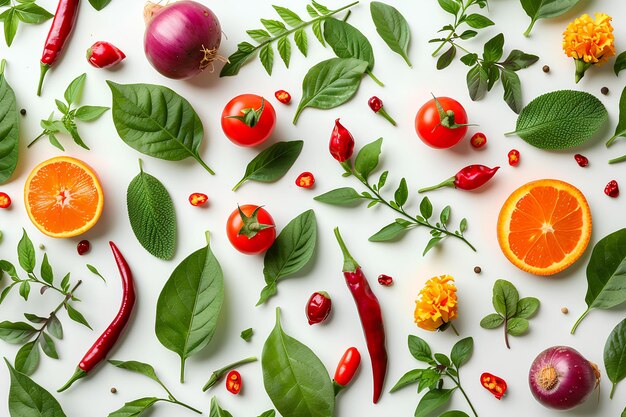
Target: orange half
[63,197]
[544,226]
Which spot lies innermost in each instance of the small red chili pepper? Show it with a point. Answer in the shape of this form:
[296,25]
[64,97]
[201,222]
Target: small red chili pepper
[198,199]
[233,382]
[305,180]
[104,55]
[479,140]
[341,143]
[581,160]
[83,247]
[514,157]
[347,367]
[376,105]
[60,30]
[283,96]
[318,308]
[385,280]
[469,178]
[5,200]
[99,350]
[493,384]
[612,189]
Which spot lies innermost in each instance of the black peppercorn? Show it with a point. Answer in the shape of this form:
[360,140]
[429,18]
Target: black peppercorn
[113,390]
[23,112]
[477,269]
[546,68]
[604,90]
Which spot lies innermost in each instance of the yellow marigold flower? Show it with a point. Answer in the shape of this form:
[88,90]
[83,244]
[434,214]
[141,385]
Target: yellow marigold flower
[589,41]
[436,304]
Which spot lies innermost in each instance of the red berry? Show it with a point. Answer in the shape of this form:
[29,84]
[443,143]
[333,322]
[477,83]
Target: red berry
[318,308]
[385,280]
[283,96]
[305,180]
[612,189]
[83,247]
[581,160]
[478,140]
[514,157]
[375,104]
[5,200]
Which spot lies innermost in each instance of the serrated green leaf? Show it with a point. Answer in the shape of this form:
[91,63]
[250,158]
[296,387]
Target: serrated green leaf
[290,17]
[284,49]
[259,35]
[302,41]
[266,55]
[274,27]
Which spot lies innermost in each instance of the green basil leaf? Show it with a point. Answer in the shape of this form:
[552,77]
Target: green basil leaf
[65,282]
[512,89]
[89,113]
[16,333]
[543,9]
[620,129]
[272,163]
[527,307]
[290,17]
[367,158]
[477,79]
[27,399]
[461,351]
[76,315]
[99,4]
[493,73]
[494,48]
[135,408]
[505,298]
[517,326]
[620,63]
[446,58]
[392,28]
[151,214]
[189,305]
[25,290]
[518,60]
[450,6]
[48,347]
[32,13]
[615,355]
[302,42]
[33,318]
[331,83]
[492,321]
[292,250]
[26,253]
[27,358]
[420,349]
[478,21]
[454,413]
[433,400]
[344,196]
[157,122]
[561,119]
[295,379]
[74,91]
[9,128]
[409,378]
[216,410]
[430,378]
[347,41]
[11,22]
[442,360]
[138,367]
[390,232]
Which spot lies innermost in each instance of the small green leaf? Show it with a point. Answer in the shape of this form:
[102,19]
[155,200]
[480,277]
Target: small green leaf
[463,225]
[272,163]
[478,21]
[450,6]
[433,400]
[142,368]
[505,298]
[284,50]
[247,334]
[54,326]
[527,307]
[402,193]
[32,13]
[25,290]
[16,333]
[76,316]
[47,345]
[426,208]
[446,58]
[477,82]
[393,28]
[430,378]
[615,354]
[518,60]
[94,271]
[345,196]
[367,158]
[65,282]
[259,35]
[461,351]
[492,321]
[135,408]
[61,106]
[302,42]
[431,244]
[99,4]
[445,215]
[266,55]
[409,378]
[620,63]
[11,22]
[26,253]
[75,89]
[512,90]
[46,270]
[27,358]
[517,326]
[33,318]
[90,113]
[316,27]
[390,232]
[442,359]
[290,17]
[274,27]
[620,129]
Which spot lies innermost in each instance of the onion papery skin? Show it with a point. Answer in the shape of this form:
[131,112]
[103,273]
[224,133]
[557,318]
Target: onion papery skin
[181,38]
[561,378]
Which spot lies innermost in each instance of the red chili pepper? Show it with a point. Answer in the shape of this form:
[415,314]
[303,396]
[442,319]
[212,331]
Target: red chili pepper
[83,247]
[318,308]
[198,199]
[370,314]
[385,280]
[62,26]
[5,200]
[233,382]
[612,189]
[479,140]
[305,180]
[514,157]
[98,352]
[104,55]
[283,96]
[376,105]
[347,367]
[493,384]
[341,143]
[581,160]
[469,178]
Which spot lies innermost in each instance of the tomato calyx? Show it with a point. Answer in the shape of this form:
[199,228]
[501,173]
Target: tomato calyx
[250,115]
[446,117]
[251,225]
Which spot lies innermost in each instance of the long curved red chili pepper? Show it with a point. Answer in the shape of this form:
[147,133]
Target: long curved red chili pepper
[469,178]
[98,352]
[370,314]
[62,26]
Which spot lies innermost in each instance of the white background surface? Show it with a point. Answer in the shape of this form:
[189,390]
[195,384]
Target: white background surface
[403,153]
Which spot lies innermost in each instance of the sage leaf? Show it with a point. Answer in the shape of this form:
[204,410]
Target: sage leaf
[461,351]
[606,274]
[28,399]
[9,128]
[189,305]
[135,408]
[292,250]
[615,355]
[543,9]
[477,79]
[560,119]
[620,63]
[27,358]
[272,163]
[367,158]
[392,28]
[345,196]
[433,400]
[620,129]
[156,121]
[151,214]
[99,4]
[505,298]
[295,379]
[390,232]
[216,410]
[330,84]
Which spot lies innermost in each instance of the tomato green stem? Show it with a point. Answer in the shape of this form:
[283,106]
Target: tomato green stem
[616,160]
[579,320]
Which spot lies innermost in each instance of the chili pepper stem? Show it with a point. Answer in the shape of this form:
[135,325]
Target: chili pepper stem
[617,160]
[44,70]
[447,183]
[175,401]
[338,388]
[349,264]
[217,375]
[579,320]
[384,113]
[373,77]
[78,374]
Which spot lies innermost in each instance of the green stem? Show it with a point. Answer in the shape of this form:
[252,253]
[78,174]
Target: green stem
[616,160]
[182,370]
[68,297]
[239,184]
[506,334]
[447,183]
[456,332]
[530,27]
[579,320]
[44,70]
[2,65]
[612,391]
[349,264]
[457,382]
[384,113]
[345,18]
[205,166]
[456,25]
[175,401]
[219,374]
[33,278]
[36,139]
[373,77]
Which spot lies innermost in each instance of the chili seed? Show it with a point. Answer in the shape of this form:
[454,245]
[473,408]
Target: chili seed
[564,310]
[385,280]
[83,247]
[604,90]
[581,160]
[612,189]
[546,69]
[477,269]
[23,112]
[113,390]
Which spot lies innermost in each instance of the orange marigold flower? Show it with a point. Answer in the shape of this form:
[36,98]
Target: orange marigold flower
[436,304]
[589,41]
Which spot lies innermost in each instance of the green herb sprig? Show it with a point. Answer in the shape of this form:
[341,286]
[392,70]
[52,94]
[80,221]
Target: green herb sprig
[366,162]
[432,378]
[277,32]
[67,124]
[511,311]
[21,11]
[139,406]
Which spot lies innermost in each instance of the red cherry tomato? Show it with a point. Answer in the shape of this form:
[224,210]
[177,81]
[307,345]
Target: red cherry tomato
[428,123]
[251,229]
[248,120]
[233,382]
